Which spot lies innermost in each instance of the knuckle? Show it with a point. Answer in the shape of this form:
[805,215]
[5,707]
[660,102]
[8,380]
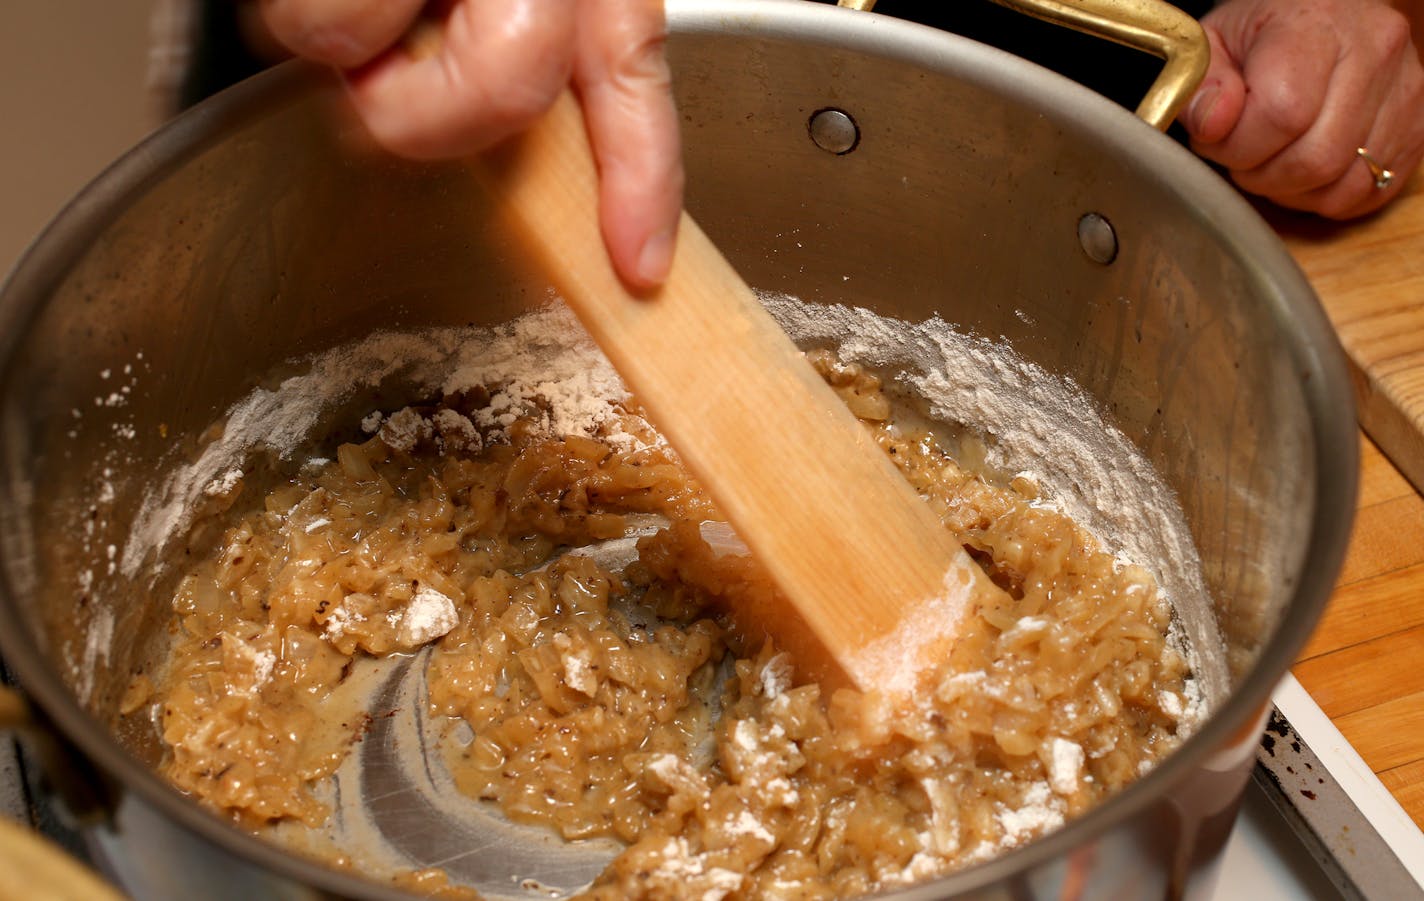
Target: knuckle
[503,71]
[1319,166]
[1391,33]
[646,62]
[630,41]
[516,101]
[525,70]
[637,40]
[1288,107]
[520,95]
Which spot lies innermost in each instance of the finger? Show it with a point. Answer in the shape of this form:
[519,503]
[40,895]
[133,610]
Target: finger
[1216,106]
[1285,88]
[1360,88]
[499,67]
[1396,142]
[623,81]
[1354,194]
[343,33]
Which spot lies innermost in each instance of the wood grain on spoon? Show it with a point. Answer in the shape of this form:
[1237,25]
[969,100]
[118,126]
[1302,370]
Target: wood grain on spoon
[858,554]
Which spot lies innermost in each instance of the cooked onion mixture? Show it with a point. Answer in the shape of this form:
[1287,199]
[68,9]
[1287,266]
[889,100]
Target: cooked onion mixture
[725,770]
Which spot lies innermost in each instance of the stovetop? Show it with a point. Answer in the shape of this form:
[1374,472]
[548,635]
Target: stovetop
[1316,823]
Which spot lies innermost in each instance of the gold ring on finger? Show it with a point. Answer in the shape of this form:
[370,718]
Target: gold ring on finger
[1382,175]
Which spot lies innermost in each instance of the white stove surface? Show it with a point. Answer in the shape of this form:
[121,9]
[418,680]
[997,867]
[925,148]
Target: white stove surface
[1266,861]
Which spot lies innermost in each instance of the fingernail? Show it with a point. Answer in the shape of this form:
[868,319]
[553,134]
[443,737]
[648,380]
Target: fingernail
[656,259]
[1202,105]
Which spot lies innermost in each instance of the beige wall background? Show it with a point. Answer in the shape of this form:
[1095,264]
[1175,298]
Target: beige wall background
[73,96]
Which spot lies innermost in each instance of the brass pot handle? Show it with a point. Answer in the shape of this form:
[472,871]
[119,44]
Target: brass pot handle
[1153,26]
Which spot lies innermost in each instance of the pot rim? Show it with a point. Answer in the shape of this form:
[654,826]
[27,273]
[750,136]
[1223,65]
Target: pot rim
[1314,348]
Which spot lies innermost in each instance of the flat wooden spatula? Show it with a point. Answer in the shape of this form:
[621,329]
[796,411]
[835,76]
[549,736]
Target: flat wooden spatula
[862,559]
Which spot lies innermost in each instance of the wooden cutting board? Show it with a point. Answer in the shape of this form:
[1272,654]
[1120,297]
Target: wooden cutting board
[1360,665]
[1370,277]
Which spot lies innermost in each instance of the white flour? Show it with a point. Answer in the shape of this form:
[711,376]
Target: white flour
[340,617]
[428,616]
[223,483]
[1038,812]
[1067,766]
[544,364]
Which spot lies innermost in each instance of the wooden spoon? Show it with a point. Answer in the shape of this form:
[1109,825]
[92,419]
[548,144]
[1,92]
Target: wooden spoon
[858,554]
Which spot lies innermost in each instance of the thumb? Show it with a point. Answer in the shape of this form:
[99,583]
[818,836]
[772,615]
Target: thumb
[1216,106]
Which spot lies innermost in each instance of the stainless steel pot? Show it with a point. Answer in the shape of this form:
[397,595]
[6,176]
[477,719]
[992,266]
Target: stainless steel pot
[1012,203]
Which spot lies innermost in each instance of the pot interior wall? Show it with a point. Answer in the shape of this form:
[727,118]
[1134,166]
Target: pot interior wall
[962,199]
[273,235]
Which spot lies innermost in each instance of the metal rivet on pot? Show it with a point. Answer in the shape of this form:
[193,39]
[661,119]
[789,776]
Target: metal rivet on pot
[1099,240]
[834,131]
